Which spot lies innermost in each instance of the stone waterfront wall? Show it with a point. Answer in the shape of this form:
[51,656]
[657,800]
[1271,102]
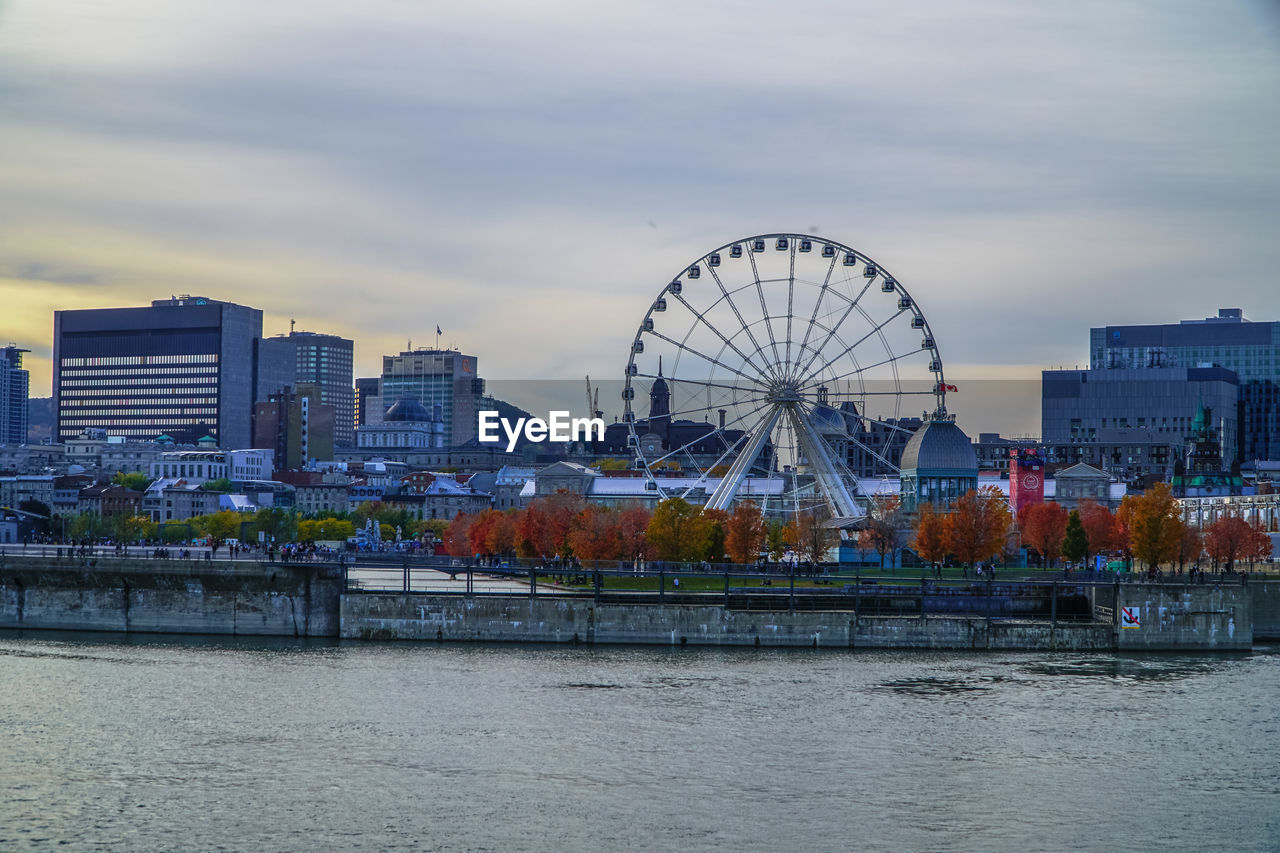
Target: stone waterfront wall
[184,597]
[1170,617]
[371,616]
[1266,609]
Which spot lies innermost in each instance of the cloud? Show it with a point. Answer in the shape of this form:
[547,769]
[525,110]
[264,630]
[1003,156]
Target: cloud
[529,177]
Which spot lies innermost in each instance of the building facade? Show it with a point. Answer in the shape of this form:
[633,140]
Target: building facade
[443,378]
[186,367]
[1134,422]
[326,361]
[296,424]
[14,387]
[1248,349]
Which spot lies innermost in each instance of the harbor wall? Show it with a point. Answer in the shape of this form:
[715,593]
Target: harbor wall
[163,596]
[1177,617]
[372,616]
[1266,609]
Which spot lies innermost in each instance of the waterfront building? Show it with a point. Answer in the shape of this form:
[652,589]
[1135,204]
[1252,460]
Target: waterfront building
[1082,482]
[296,424]
[16,489]
[325,361]
[1250,350]
[201,466]
[106,500]
[14,387]
[406,426]
[186,367]
[443,378]
[1134,422]
[938,465]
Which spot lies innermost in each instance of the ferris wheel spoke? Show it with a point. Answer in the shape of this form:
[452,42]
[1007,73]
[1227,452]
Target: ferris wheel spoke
[676,451]
[706,474]
[853,303]
[875,330]
[754,389]
[684,347]
[702,318]
[764,308]
[850,436]
[696,410]
[791,292]
[727,488]
[819,455]
[738,314]
[817,306]
[891,360]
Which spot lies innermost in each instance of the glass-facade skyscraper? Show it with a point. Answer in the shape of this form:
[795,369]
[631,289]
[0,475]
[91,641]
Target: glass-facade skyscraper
[14,385]
[326,361]
[443,378]
[185,367]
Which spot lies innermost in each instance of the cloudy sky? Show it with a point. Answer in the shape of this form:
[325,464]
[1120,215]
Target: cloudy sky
[529,175]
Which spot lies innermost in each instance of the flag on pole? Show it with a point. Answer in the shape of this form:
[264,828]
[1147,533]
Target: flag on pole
[438,332]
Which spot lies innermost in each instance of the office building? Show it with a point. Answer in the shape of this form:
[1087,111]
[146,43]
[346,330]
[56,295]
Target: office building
[443,378]
[296,424]
[322,360]
[368,398]
[14,385]
[1133,422]
[186,367]
[1250,350]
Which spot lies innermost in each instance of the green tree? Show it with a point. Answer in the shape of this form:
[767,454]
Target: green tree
[131,528]
[276,523]
[220,526]
[677,531]
[222,484]
[86,525]
[1075,545]
[775,540]
[135,480]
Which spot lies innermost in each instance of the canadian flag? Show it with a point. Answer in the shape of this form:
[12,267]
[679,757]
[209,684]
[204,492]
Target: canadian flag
[942,386]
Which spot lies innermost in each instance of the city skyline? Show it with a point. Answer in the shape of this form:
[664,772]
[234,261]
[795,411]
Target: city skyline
[511,176]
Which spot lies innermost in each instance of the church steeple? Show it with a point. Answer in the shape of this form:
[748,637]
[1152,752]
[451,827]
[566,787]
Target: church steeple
[660,406]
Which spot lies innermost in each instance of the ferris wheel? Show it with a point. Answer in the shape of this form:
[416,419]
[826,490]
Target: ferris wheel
[777,359]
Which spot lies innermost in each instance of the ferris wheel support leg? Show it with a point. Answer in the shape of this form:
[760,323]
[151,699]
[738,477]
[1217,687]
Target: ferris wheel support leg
[818,453]
[724,493]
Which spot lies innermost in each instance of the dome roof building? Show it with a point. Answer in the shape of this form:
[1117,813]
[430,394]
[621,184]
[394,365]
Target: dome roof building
[406,425]
[938,464]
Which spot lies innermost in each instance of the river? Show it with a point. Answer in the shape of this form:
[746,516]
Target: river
[214,744]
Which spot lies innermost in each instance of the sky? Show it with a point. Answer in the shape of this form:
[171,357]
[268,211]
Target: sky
[528,176]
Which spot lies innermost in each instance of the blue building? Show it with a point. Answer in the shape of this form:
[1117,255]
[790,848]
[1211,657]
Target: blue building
[1249,350]
[14,385]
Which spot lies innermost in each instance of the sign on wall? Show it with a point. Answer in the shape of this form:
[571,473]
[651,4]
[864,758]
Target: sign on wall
[1130,617]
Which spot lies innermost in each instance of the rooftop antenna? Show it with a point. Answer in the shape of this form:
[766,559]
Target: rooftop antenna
[292,323]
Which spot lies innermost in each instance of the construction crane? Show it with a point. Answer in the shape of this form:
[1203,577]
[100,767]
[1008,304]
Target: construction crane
[593,402]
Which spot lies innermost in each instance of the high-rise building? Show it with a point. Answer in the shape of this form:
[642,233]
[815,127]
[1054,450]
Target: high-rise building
[326,361]
[444,378]
[1249,350]
[185,367]
[296,424]
[367,394]
[14,385]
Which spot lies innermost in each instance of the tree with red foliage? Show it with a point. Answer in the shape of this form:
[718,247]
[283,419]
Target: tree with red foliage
[456,541]
[1229,539]
[560,511]
[502,534]
[478,533]
[595,534]
[1044,527]
[745,533]
[1099,527]
[633,525]
[1190,546]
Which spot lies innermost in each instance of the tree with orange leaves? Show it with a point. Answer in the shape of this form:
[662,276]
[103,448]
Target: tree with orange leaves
[1044,527]
[1099,528]
[930,541]
[744,533]
[456,540]
[1190,546]
[978,525]
[595,534]
[1155,525]
[482,524]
